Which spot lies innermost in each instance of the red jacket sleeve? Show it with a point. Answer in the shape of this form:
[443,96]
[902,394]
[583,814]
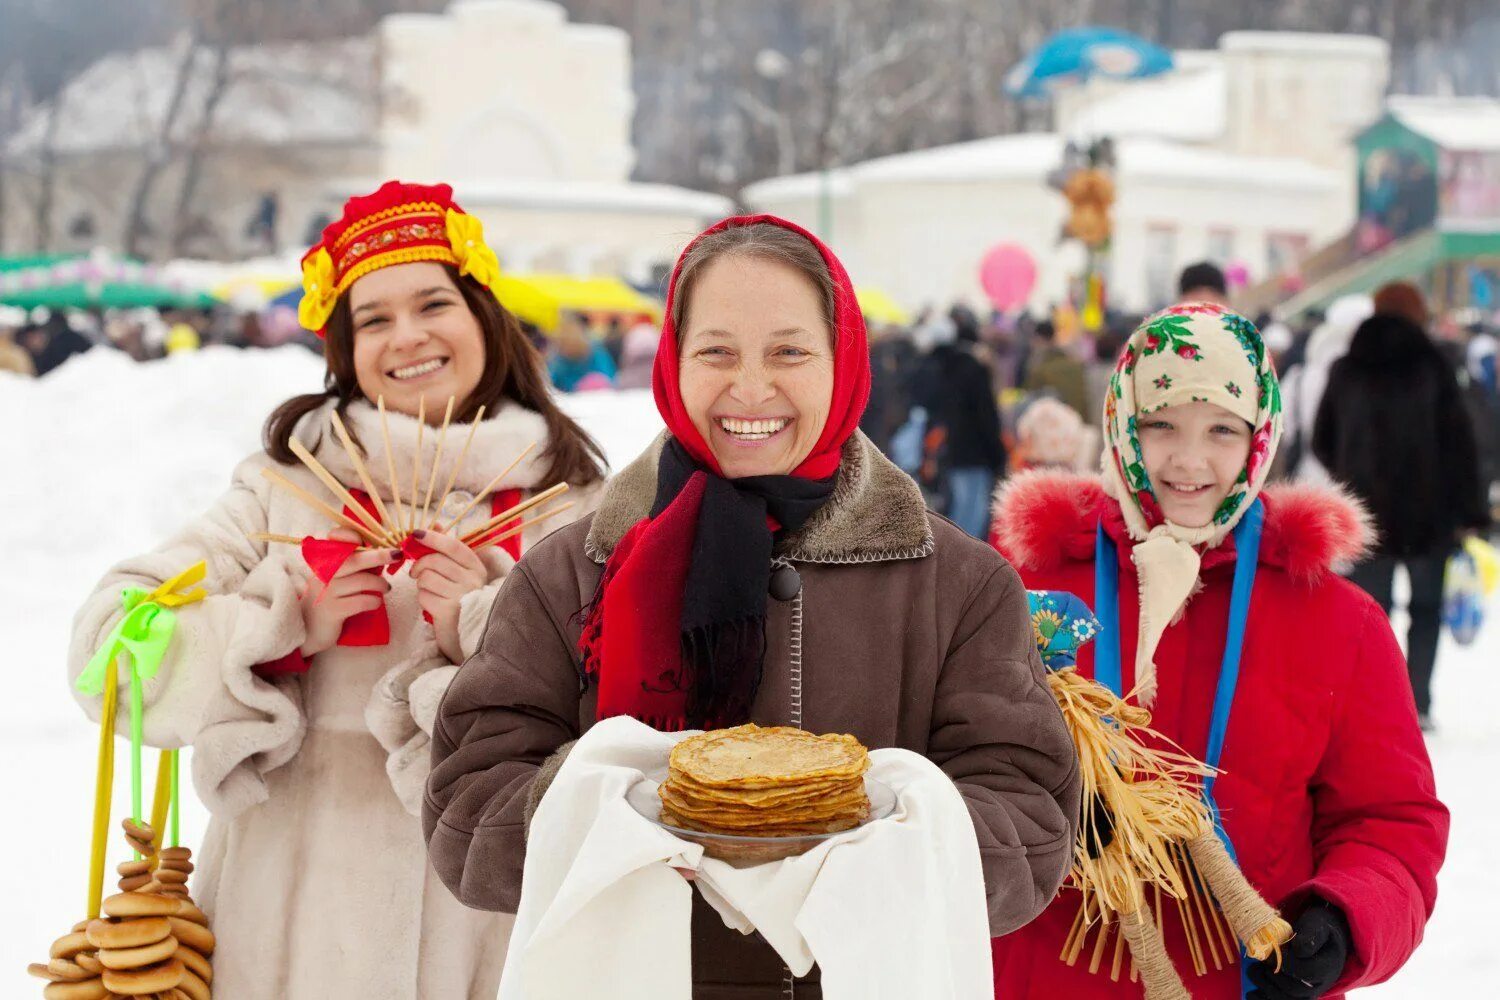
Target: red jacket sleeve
[292,663]
[1379,831]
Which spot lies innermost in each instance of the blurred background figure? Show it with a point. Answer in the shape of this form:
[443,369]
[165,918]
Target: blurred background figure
[1302,387]
[893,365]
[1392,426]
[1054,371]
[1203,282]
[962,454]
[13,358]
[576,357]
[1051,435]
[638,356]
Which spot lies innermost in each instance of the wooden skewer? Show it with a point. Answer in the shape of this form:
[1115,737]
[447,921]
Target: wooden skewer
[491,485]
[267,536]
[508,532]
[364,473]
[319,506]
[390,465]
[437,459]
[329,480]
[453,476]
[416,460]
[506,516]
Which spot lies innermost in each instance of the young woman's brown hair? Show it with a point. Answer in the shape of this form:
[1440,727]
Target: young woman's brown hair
[512,371]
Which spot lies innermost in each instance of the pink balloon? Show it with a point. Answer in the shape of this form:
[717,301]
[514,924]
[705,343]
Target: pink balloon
[1007,274]
[1237,274]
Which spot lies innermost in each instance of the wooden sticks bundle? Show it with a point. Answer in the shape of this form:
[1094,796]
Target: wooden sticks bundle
[388,527]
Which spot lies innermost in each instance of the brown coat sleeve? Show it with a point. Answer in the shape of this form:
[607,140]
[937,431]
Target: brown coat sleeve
[512,705]
[1000,736]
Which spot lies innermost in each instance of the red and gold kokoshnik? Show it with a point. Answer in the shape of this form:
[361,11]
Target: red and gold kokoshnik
[398,224]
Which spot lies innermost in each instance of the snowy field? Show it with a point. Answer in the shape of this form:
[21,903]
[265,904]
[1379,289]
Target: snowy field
[105,457]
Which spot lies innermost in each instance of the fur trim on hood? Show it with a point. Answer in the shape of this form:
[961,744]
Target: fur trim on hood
[1044,519]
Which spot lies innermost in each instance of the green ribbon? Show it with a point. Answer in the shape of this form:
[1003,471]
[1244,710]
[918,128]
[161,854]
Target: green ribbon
[145,633]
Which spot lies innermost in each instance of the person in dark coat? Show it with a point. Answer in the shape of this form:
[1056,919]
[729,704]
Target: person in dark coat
[1392,425]
[893,365]
[963,425]
[1054,371]
[53,343]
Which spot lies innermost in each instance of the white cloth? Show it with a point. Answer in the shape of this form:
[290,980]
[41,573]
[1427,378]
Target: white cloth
[893,909]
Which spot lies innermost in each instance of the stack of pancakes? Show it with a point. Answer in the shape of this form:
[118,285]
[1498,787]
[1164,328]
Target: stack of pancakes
[771,782]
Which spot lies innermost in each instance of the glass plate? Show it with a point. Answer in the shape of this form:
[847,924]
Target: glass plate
[744,851]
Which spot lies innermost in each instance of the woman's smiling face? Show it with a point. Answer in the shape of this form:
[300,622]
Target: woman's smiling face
[415,338]
[756,365]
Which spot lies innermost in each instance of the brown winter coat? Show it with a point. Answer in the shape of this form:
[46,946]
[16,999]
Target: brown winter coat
[907,633]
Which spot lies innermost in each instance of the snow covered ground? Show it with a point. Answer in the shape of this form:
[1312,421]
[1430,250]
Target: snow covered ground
[105,457]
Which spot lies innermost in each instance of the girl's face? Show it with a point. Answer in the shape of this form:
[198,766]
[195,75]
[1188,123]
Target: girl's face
[1194,453]
[415,338]
[756,366]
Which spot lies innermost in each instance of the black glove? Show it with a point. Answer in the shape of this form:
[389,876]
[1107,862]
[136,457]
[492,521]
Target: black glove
[1101,832]
[1311,962]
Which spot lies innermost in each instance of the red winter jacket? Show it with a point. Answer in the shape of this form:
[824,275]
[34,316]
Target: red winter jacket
[1327,787]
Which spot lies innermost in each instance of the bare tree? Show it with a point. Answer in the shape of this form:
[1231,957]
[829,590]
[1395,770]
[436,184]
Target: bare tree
[158,148]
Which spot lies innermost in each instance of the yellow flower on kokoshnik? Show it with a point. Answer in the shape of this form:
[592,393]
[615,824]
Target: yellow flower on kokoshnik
[319,291]
[475,258]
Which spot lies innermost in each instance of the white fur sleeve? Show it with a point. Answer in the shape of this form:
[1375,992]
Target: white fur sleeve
[205,693]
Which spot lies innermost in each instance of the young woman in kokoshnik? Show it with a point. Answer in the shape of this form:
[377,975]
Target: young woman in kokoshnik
[763,512]
[1325,792]
[308,708]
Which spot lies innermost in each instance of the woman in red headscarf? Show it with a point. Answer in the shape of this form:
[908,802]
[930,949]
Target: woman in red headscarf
[762,562]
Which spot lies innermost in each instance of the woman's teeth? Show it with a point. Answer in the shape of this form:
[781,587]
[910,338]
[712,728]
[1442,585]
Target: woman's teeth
[1187,490]
[752,430]
[418,370]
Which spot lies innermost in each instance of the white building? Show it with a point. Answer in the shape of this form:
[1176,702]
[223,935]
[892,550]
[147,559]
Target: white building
[1240,155]
[526,114]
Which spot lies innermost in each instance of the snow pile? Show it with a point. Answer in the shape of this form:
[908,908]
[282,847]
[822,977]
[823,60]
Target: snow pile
[105,457]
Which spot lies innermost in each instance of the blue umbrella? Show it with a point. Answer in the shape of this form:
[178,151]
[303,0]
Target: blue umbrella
[1078,54]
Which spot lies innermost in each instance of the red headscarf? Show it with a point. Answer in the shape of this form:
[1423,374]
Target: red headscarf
[675,635]
[851,364]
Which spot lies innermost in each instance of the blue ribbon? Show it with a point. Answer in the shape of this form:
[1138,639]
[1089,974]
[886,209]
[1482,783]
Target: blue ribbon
[1107,658]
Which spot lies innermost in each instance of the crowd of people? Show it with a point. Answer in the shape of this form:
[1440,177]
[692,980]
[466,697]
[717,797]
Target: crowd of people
[813,541]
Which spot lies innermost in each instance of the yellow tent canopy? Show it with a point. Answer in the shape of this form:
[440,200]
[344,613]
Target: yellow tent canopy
[878,306]
[542,298]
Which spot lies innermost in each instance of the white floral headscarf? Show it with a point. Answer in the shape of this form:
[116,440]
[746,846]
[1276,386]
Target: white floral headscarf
[1197,352]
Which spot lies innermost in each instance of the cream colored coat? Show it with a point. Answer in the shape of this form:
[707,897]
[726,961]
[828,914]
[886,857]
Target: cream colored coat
[313,868]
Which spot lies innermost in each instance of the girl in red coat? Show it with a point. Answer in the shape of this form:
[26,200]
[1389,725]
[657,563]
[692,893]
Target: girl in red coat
[1223,613]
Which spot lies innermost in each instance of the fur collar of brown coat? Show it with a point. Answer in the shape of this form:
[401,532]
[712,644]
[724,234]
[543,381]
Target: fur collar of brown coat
[876,513]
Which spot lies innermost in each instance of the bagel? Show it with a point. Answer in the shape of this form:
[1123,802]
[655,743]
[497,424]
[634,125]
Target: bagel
[129,868]
[140,904]
[69,945]
[191,912]
[41,972]
[191,935]
[118,934]
[151,979]
[169,876]
[196,964]
[89,962]
[89,989]
[193,987]
[65,970]
[131,883]
[135,958]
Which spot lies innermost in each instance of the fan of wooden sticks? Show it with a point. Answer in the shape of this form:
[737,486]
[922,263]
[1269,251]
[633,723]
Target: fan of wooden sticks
[388,528]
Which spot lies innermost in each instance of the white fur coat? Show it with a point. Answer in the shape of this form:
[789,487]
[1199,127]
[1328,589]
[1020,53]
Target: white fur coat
[314,868]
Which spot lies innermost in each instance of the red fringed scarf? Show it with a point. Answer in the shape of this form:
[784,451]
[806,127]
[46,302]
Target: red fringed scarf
[650,643]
